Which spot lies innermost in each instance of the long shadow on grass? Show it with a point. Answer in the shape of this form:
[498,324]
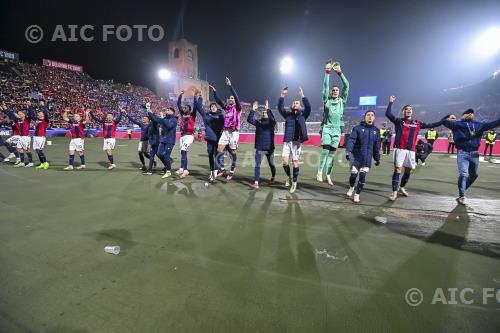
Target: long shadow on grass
[426,269]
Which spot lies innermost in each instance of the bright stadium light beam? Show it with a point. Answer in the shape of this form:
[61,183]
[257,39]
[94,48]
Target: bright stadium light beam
[164,74]
[488,43]
[286,65]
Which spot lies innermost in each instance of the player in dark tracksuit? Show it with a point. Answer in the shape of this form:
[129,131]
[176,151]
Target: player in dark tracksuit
[214,124]
[422,151]
[168,125]
[295,134]
[264,141]
[363,146]
[143,142]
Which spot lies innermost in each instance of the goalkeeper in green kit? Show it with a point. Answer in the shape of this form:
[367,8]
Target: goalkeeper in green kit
[333,119]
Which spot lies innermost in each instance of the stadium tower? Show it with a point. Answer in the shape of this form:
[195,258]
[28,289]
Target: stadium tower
[183,63]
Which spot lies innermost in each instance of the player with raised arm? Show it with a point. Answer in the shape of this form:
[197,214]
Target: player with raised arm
[231,132]
[168,125]
[467,135]
[41,117]
[109,123]
[187,119]
[405,142]
[21,128]
[214,123]
[264,141]
[362,146]
[333,120]
[11,142]
[143,141]
[295,134]
[77,143]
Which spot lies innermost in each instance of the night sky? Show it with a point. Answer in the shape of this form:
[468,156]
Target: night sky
[412,49]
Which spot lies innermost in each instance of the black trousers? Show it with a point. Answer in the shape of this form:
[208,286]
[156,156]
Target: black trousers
[451,146]
[386,147]
[486,148]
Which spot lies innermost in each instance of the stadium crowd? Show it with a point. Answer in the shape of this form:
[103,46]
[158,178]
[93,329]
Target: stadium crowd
[64,89]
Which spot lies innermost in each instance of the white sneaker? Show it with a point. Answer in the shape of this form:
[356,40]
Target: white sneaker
[423,164]
[179,172]
[329,180]
[461,200]
[19,165]
[81,167]
[288,181]
[355,198]
[6,160]
[403,192]
[11,155]
[29,165]
[111,166]
[294,187]
[166,174]
[393,196]
[69,167]
[350,192]
[319,177]
[184,174]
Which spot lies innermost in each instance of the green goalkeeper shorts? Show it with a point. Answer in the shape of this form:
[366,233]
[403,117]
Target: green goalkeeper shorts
[330,136]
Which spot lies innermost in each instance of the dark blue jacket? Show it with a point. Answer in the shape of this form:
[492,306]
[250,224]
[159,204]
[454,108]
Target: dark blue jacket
[364,144]
[153,133]
[294,119]
[168,127]
[144,128]
[214,121]
[462,132]
[264,131]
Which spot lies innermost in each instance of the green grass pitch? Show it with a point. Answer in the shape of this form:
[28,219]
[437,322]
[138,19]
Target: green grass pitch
[224,258]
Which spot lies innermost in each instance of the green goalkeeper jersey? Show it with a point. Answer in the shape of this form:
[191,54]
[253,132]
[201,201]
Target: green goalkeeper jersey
[334,107]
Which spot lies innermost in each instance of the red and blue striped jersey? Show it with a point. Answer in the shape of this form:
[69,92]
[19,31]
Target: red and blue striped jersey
[41,127]
[187,123]
[77,129]
[407,129]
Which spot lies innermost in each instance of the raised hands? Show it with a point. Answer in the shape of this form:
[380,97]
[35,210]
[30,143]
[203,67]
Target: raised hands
[255,106]
[228,82]
[301,92]
[329,65]
[284,91]
[336,67]
[392,99]
[266,104]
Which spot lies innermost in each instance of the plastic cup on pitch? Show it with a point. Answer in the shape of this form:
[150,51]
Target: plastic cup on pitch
[113,249]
